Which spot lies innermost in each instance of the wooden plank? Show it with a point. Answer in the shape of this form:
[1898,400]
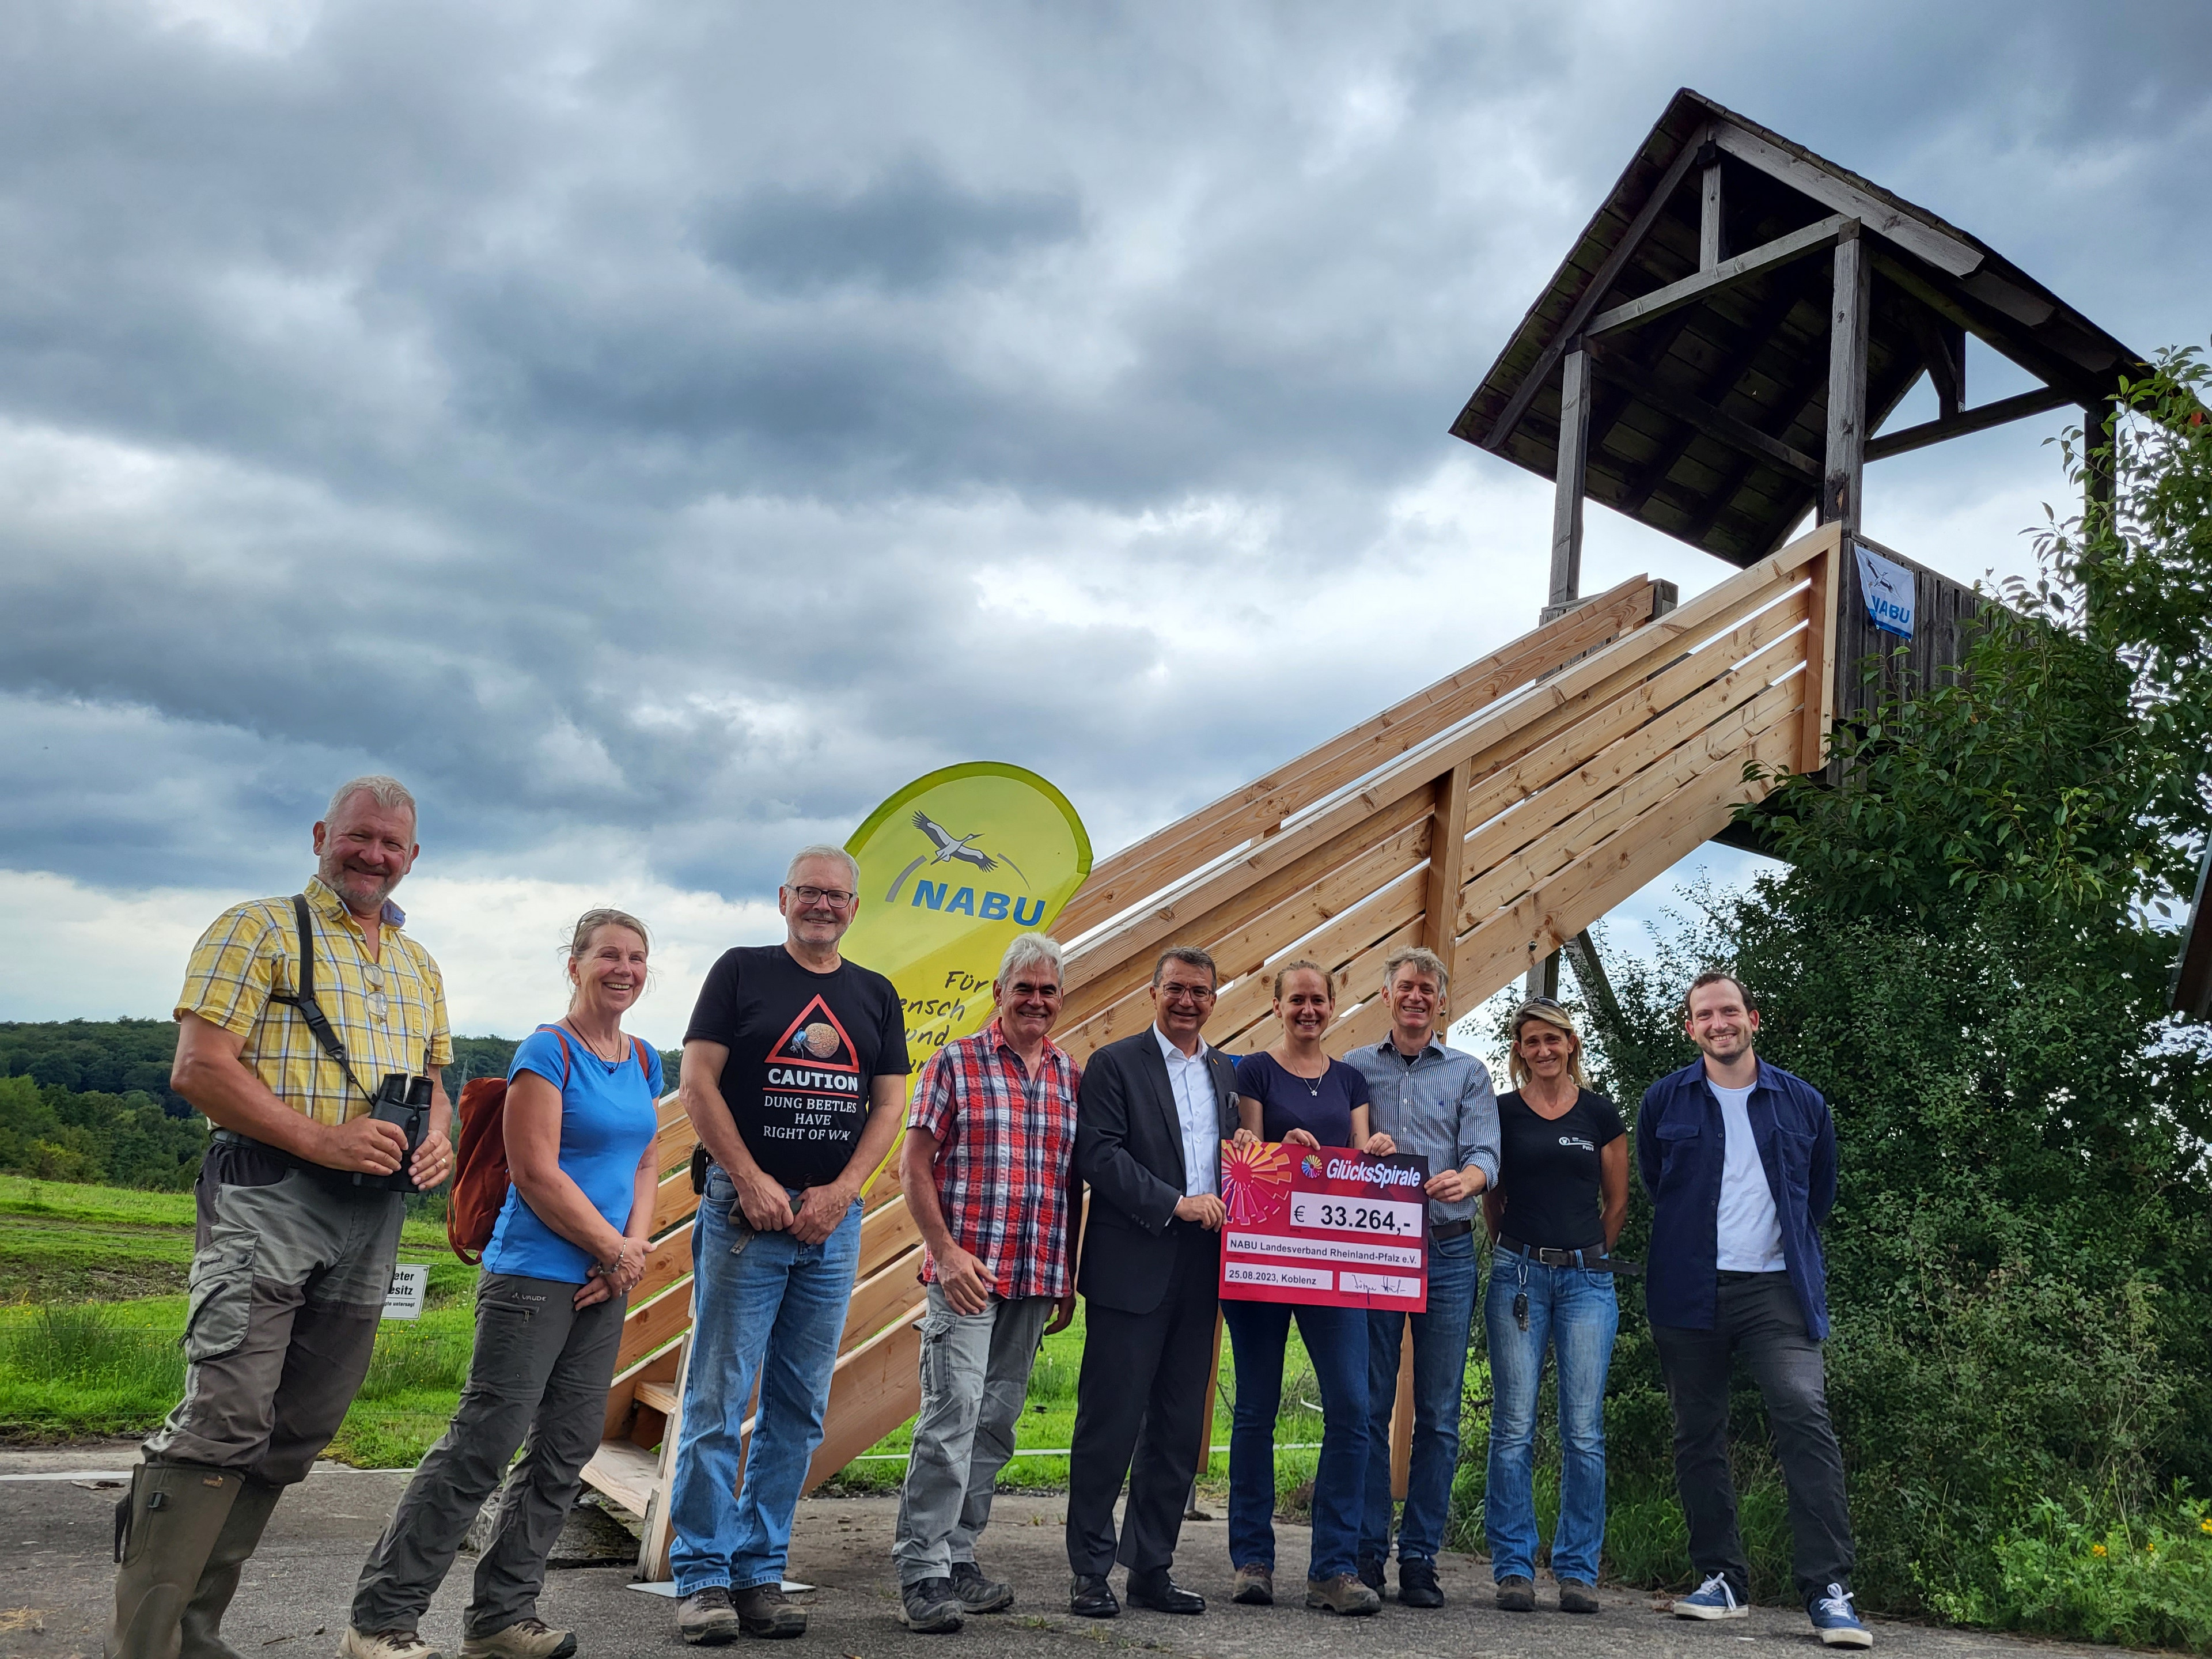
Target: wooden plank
[1651,775]
[672,1144]
[1845,460]
[893,1289]
[1725,274]
[1401,1408]
[1137,871]
[1708,218]
[624,1473]
[1623,660]
[2000,333]
[1713,422]
[1823,601]
[1916,236]
[1361,977]
[651,1324]
[875,1388]
[1502,789]
[1569,477]
[1250,925]
[1447,859]
[1600,284]
[1381,913]
[659,1396]
[660,1530]
[669,1259]
[1494,851]
[621,1393]
[674,1200]
[1320,887]
[2004,411]
[888,1231]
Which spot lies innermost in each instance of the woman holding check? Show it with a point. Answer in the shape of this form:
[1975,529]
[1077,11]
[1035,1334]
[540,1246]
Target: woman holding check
[1294,1093]
[569,1247]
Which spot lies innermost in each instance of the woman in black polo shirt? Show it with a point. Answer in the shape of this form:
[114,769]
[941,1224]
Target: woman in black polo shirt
[1562,1194]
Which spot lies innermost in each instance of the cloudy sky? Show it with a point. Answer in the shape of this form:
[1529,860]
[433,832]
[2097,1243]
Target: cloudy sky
[657,431]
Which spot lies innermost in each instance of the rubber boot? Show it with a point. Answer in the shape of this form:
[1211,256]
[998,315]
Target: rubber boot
[165,1530]
[202,1627]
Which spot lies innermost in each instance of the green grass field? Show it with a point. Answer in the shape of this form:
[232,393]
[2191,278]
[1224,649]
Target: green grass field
[92,1307]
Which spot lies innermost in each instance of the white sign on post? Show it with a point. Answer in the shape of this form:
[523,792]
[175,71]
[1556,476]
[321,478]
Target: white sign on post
[1889,589]
[411,1283]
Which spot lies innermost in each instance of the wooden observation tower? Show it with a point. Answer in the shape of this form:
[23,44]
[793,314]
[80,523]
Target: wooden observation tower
[1715,358]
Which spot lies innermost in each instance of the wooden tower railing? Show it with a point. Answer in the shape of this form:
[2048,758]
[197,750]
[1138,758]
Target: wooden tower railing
[1490,817]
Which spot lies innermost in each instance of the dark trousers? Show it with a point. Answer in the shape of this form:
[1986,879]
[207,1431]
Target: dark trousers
[1142,1393]
[1756,1316]
[538,1379]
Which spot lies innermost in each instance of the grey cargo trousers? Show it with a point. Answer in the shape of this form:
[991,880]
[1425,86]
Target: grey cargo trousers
[288,1283]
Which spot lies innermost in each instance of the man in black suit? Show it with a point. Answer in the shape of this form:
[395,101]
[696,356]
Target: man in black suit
[1150,1117]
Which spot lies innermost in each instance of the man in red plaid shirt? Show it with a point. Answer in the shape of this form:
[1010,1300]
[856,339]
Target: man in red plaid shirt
[988,1172]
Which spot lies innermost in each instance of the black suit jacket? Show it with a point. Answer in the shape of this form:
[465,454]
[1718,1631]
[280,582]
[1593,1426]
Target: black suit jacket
[1128,1145]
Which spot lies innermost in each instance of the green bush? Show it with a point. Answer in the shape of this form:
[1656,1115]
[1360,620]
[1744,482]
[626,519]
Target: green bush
[2141,1582]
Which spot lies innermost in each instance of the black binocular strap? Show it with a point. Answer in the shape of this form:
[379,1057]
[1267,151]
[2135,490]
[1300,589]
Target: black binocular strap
[303,998]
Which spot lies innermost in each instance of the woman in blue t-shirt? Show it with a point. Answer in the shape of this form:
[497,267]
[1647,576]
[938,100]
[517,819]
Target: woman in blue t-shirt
[569,1246]
[1292,1091]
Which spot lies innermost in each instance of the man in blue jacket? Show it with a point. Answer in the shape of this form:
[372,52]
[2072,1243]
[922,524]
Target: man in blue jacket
[1740,1159]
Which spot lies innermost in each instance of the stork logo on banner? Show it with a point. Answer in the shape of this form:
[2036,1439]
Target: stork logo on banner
[951,896]
[1888,590]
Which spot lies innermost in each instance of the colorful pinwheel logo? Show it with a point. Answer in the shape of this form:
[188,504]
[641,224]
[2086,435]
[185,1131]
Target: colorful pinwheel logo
[1254,1181]
[1311,1165]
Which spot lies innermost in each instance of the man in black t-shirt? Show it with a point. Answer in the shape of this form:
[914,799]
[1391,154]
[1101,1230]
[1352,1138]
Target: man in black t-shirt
[795,1075]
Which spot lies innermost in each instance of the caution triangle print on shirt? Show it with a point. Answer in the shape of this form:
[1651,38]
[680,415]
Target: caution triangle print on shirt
[817,1038]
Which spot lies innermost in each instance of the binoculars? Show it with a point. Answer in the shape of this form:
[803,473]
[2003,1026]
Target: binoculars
[403,1101]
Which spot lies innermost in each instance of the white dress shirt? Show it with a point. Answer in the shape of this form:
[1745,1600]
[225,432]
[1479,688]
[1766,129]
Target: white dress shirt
[1198,1109]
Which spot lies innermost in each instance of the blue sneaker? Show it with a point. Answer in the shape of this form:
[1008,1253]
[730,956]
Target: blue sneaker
[1715,1599]
[1838,1625]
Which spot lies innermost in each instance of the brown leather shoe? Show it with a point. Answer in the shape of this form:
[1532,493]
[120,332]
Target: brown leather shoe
[1575,1596]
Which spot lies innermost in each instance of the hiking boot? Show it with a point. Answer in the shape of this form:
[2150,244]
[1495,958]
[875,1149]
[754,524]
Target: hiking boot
[385,1644]
[929,1605]
[525,1638]
[1371,1572]
[165,1527]
[1517,1595]
[1342,1594]
[1714,1598]
[765,1610]
[1575,1596]
[1838,1623]
[706,1618]
[200,1631]
[1255,1585]
[1417,1583]
[978,1593]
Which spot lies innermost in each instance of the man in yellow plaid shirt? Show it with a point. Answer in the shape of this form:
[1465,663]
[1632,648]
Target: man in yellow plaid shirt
[295,1254]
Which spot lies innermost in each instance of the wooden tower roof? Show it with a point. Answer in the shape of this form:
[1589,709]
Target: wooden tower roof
[1707,321]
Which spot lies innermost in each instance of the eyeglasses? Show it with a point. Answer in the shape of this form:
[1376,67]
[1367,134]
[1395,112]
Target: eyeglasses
[837,898]
[1174,993]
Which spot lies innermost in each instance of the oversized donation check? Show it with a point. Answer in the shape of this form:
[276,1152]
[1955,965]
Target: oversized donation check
[1331,1227]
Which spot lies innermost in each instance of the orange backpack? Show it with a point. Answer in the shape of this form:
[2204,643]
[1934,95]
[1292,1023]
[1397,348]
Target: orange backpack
[480,1177]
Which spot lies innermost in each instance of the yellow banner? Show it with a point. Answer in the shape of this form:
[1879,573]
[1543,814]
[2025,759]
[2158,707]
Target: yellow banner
[952,867]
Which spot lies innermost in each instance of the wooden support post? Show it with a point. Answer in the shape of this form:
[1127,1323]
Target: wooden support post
[1402,1419]
[1573,468]
[1212,1396]
[1709,215]
[1845,462]
[1447,860]
[1543,979]
[1829,585]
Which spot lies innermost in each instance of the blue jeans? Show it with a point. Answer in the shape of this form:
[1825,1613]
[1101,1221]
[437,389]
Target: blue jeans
[1439,1372]
[1574,1313]
[1333,1338]
[763,1306]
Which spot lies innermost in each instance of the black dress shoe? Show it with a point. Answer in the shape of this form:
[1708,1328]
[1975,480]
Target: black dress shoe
[1092,1597]
[1162,1593]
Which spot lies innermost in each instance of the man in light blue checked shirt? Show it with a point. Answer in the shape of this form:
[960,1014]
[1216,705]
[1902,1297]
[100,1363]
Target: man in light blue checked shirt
[1437,1102]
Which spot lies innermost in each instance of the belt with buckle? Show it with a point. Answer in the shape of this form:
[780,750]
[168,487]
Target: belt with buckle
[1588,1258]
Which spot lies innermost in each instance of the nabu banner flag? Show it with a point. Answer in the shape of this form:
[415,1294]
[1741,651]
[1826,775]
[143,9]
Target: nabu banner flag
[952,867]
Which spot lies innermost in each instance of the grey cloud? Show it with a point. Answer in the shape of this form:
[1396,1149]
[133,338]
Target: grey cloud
[654,425]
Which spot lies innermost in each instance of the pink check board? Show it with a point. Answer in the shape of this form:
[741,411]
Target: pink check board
[1330,1228]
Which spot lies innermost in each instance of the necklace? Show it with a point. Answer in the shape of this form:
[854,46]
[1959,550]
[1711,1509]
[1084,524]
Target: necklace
[622,1047]
[1313,1084]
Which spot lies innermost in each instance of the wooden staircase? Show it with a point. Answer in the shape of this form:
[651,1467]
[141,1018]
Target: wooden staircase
[1491,817]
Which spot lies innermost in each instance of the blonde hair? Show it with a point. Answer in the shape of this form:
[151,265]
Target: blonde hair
[587,928]
[1551,1014]
[1328,979]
